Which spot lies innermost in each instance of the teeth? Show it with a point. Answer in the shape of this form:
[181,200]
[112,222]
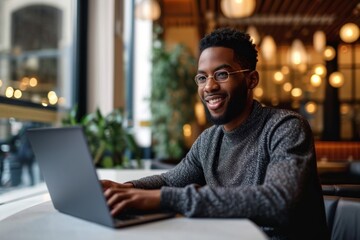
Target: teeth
[213,101]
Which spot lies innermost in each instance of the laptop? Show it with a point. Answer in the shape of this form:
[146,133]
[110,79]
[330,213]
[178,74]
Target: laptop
[67,167]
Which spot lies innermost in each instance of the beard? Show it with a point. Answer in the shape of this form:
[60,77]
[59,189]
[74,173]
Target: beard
[235,108]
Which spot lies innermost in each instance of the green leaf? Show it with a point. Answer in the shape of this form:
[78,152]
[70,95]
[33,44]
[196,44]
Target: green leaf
[107,162]
[107,138]
[172,99]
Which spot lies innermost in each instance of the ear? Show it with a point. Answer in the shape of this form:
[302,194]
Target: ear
[253,79]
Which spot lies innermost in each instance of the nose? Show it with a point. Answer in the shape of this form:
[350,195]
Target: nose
[211,84]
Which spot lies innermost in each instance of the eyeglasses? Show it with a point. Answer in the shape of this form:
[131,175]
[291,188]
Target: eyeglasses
[219,76]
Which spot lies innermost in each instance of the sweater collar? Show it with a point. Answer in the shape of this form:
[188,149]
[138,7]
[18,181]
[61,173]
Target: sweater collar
[253,117]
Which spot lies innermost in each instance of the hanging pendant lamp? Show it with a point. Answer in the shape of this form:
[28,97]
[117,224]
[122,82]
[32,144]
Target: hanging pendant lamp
[238,8]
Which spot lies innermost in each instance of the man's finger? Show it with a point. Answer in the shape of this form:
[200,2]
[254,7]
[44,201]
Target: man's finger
[116,196]
[120,207]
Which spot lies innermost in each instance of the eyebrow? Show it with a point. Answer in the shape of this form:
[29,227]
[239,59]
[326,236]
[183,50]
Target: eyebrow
[217,68]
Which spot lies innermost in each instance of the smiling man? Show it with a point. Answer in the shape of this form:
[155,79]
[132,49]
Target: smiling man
[226,104]
[255,162]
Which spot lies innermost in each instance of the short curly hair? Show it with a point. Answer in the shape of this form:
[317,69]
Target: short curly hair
[244,49]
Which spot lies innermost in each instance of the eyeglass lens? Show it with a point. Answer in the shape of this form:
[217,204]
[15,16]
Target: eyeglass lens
[219,76]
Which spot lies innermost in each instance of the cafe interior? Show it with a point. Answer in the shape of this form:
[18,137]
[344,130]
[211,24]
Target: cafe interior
[78,62]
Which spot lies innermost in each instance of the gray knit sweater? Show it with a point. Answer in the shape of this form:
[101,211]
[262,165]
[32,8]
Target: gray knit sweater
[264,170]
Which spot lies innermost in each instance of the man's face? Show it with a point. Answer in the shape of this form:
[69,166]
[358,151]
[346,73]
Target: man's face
[225,101]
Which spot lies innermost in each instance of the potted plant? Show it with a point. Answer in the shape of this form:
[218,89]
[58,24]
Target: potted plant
[172,99]
[110,142]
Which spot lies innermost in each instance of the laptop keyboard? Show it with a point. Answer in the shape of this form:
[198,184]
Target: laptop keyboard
[127,216]
[132,214]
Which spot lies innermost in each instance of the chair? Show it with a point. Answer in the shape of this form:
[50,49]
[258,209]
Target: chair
[342,190]
[342,207]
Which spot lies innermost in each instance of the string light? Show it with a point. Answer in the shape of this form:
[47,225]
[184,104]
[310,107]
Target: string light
[315,80]
[9,92]
[329,53]
[278,77]
[336,79]
[320,70]
[296,92]
[258,92]
[311,107]
[287,87]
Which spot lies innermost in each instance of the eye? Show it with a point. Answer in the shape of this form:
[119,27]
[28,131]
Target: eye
[221,75]
[200,78]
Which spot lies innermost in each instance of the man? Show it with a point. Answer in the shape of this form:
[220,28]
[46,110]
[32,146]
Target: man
[255,162]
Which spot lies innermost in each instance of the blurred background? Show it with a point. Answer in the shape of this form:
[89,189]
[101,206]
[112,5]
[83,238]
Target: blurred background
[124,71]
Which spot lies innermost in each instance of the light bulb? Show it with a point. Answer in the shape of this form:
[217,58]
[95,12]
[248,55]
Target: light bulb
[349,32]
[336,79]
[329,53]
[315,80]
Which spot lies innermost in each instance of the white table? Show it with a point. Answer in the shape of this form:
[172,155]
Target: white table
[18,200]
[41,221]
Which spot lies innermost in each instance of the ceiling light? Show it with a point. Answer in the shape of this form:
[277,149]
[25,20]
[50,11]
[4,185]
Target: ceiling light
[238,8]
[336,79]
[148,10]
[287,87]
[298,53]
[53,98]
[319,41]
[33,82]
[252,31]
[17,93]
[329,53]
[315,80]
[345,109]
[311,107]
[349,32]
[320,70]
[285,70]
[187,130]
[258,92]
[9,92]
[200,113]
[268,47]
[278,77]
[296,92]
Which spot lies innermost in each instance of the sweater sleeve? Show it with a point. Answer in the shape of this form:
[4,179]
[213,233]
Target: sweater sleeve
[188,171]
[290,149]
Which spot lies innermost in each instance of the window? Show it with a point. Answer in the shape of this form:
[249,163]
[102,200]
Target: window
[37,79]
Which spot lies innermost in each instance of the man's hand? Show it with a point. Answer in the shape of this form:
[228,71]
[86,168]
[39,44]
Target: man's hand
[110,184]
[120,199]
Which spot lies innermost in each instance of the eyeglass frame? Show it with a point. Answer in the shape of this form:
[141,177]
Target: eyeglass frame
[213,76]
